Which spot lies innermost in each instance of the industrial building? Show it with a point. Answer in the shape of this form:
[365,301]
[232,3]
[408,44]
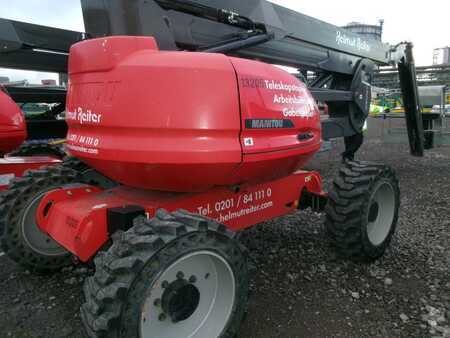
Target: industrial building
[368,31]
[441,56]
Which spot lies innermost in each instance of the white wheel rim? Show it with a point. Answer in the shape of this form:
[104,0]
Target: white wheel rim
[381,213]
[214,279]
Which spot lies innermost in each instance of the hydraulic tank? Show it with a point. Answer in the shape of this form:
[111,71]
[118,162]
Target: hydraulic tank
[184,121]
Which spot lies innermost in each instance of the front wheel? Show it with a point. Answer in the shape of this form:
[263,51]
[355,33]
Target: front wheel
[176,275]
[362,210]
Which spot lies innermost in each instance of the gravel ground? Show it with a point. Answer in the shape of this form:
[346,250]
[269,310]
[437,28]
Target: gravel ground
[299,287]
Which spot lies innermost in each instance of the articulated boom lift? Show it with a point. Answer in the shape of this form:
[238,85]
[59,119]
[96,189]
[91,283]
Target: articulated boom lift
[183,134]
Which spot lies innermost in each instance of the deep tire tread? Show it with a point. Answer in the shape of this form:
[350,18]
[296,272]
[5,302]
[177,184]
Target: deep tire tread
[348,201]
[154,241]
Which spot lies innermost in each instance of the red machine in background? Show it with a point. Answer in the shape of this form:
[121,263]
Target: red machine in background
[13,133]
[13,130]
[220,143]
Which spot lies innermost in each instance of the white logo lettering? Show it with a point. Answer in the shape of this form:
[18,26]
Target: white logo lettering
[304,112]
[280,85]
[354,42]
[84,116]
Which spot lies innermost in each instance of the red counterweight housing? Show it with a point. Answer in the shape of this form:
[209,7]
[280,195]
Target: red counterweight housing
[185,121]
[13,130]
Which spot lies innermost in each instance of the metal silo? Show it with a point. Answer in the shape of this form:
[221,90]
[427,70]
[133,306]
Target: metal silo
[368,31]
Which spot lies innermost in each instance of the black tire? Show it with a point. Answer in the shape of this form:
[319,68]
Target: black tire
[75,164]
[39,150]
[128,270]
[362,209]
[17,213]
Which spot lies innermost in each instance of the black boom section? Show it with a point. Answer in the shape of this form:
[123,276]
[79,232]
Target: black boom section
[410,94]
[299,40]
[257,29]
[37,94]
[34,47]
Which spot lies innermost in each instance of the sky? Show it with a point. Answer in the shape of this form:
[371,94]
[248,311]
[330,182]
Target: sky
[427,26]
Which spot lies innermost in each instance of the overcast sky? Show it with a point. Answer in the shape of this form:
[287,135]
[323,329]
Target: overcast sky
[426,23]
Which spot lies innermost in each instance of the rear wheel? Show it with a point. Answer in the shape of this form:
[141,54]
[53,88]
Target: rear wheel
[362,210]
[21,238]
[176,275]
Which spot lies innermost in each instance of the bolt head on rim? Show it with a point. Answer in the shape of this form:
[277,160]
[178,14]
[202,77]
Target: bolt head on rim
[197,305]
[381,213]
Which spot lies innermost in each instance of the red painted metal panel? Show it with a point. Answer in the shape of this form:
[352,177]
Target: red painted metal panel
[157,120]
[76,216]
[272,96]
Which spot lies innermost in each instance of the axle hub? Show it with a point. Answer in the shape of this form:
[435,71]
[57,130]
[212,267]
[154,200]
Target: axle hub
[180,300]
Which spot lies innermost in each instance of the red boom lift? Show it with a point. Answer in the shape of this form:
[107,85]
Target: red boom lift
[181,151]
